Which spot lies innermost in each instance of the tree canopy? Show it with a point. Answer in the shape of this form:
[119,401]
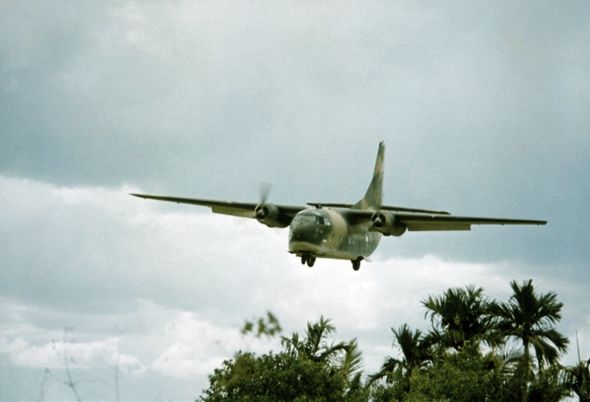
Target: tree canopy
[309,368]
[460,358]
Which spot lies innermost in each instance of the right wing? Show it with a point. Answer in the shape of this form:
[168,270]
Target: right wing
[426,222]
[416,220]
[241,209]
[383,208]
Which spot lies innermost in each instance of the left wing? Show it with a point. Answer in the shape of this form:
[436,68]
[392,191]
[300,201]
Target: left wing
[242,209]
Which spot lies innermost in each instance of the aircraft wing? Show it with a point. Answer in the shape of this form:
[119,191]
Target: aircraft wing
[383,208]
[426,222]
[241,209]
[419,221]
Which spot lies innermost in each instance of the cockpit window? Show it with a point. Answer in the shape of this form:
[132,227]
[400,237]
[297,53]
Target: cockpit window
[315,218]
[306,218]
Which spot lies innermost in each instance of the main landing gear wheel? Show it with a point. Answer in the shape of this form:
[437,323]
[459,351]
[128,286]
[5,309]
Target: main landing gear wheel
[308,259]
[356,264]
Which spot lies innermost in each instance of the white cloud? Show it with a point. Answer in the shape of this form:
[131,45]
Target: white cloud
[195,347]
[163,289]
[53,355]
[172,343]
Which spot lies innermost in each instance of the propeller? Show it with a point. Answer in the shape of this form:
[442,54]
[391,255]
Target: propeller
[262,209]
[264,192]
[267,213]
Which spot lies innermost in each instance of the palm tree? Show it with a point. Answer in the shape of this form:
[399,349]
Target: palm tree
[314,345]
[414,354]
[578,378]
[349,367]
[459,316]
[344,358]
[530,318]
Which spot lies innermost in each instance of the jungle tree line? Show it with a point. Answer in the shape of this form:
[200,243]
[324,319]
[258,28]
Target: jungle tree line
[477,349]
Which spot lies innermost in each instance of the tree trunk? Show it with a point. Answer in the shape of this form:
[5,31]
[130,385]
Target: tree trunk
[525,379]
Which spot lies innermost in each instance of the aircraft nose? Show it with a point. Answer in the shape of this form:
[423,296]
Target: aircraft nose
[305,232]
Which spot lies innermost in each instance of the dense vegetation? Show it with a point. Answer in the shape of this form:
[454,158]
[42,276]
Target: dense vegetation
[461,358]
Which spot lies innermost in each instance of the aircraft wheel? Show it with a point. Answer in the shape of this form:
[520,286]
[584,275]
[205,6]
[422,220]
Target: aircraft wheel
[303,259]
[356,264]
[310,261]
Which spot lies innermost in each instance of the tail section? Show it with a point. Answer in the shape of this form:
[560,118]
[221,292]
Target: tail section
[373,196]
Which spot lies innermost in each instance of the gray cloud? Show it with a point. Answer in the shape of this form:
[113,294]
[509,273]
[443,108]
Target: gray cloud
[151,93]
[483,109]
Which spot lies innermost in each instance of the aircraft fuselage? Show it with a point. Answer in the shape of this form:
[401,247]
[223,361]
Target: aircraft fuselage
[326,233]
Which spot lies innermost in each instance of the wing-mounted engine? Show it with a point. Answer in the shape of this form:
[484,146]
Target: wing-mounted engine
[387,223]
[271,216]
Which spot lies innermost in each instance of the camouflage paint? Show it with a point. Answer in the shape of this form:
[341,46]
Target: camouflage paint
[344,231]
[328,233]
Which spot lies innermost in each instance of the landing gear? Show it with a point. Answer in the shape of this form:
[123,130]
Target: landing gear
[356,264]
[308,259]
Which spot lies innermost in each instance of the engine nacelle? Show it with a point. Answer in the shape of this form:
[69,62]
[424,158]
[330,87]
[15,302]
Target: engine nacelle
[270,215]
[388,224]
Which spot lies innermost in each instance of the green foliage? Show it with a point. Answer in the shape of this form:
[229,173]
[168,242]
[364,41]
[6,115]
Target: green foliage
[397,372]
[268,326]
[457,360]
[530,318]
[270,377]
[463,376]
[578,380]
[549,385]
[394,387]
[309,368]
[459,316]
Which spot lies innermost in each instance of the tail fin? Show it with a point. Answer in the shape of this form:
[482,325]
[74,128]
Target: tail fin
[373,196]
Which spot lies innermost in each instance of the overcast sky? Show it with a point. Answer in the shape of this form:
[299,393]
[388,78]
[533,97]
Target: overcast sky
[483,107]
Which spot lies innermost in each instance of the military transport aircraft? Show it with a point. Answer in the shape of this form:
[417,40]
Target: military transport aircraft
[343,231]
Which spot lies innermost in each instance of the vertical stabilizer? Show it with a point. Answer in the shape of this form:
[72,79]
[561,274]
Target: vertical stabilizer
[373,197]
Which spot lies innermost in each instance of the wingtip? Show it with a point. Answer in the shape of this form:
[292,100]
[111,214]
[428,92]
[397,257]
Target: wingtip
[537,222]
